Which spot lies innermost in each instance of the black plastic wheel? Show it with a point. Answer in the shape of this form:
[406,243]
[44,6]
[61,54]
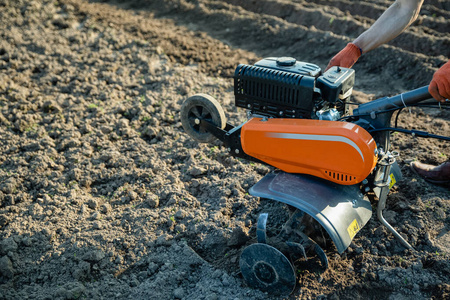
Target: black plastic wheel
[267,269]
[201,107]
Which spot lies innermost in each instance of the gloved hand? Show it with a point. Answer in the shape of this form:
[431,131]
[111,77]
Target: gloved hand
[439,86]
[346,58]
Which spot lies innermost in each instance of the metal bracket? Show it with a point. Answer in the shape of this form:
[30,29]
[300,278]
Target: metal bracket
[385,166]
[231,138]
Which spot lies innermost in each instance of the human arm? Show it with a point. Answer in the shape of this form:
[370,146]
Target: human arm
[389,25]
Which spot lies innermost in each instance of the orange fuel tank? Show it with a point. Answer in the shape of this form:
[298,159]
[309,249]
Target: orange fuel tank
[341,152]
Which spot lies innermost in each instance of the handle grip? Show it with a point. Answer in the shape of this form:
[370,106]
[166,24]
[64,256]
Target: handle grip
[411,97]
[397,101]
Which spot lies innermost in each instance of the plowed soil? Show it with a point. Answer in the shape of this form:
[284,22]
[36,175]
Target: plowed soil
[104,196]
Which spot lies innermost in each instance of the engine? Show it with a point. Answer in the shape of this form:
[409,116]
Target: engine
[288,101]
[286,88]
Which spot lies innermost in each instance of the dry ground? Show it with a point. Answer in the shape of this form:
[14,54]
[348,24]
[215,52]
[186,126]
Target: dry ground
[102,194]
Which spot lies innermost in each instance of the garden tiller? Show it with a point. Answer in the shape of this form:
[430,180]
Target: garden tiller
[326,160]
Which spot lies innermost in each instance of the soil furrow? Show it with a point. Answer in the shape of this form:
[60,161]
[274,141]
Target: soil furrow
[431,17]
[426,42]
[371,10]
[271,36]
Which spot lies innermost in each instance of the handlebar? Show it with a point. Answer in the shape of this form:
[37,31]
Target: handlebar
[397,101]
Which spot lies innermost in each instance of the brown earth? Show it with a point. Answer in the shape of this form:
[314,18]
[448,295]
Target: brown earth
[103,195]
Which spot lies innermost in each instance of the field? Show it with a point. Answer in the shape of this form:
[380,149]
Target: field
[104,196]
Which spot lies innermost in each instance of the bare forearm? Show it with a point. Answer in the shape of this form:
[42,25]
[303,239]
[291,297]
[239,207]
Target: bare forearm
[390,24]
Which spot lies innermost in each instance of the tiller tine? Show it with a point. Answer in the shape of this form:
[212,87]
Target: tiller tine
[299,250]
[265,267]
[261,235]
[306,245]
[322,256]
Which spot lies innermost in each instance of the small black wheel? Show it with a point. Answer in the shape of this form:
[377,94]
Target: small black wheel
[267,269]
[201,107]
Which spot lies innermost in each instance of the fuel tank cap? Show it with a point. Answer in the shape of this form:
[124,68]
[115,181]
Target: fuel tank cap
[286,61]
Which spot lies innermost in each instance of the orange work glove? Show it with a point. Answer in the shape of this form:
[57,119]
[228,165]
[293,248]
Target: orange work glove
[346,57]
[439,86]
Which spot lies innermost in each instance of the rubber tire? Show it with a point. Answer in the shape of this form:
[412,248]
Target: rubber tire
[203,107]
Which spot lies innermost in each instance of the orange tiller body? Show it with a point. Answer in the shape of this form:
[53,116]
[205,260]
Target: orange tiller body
[340,152]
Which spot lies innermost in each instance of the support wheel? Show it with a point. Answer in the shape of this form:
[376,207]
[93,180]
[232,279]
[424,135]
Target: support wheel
[201,107]
[267,269]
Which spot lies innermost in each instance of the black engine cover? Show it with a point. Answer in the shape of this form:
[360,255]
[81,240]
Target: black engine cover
[279,87]
[285,88]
